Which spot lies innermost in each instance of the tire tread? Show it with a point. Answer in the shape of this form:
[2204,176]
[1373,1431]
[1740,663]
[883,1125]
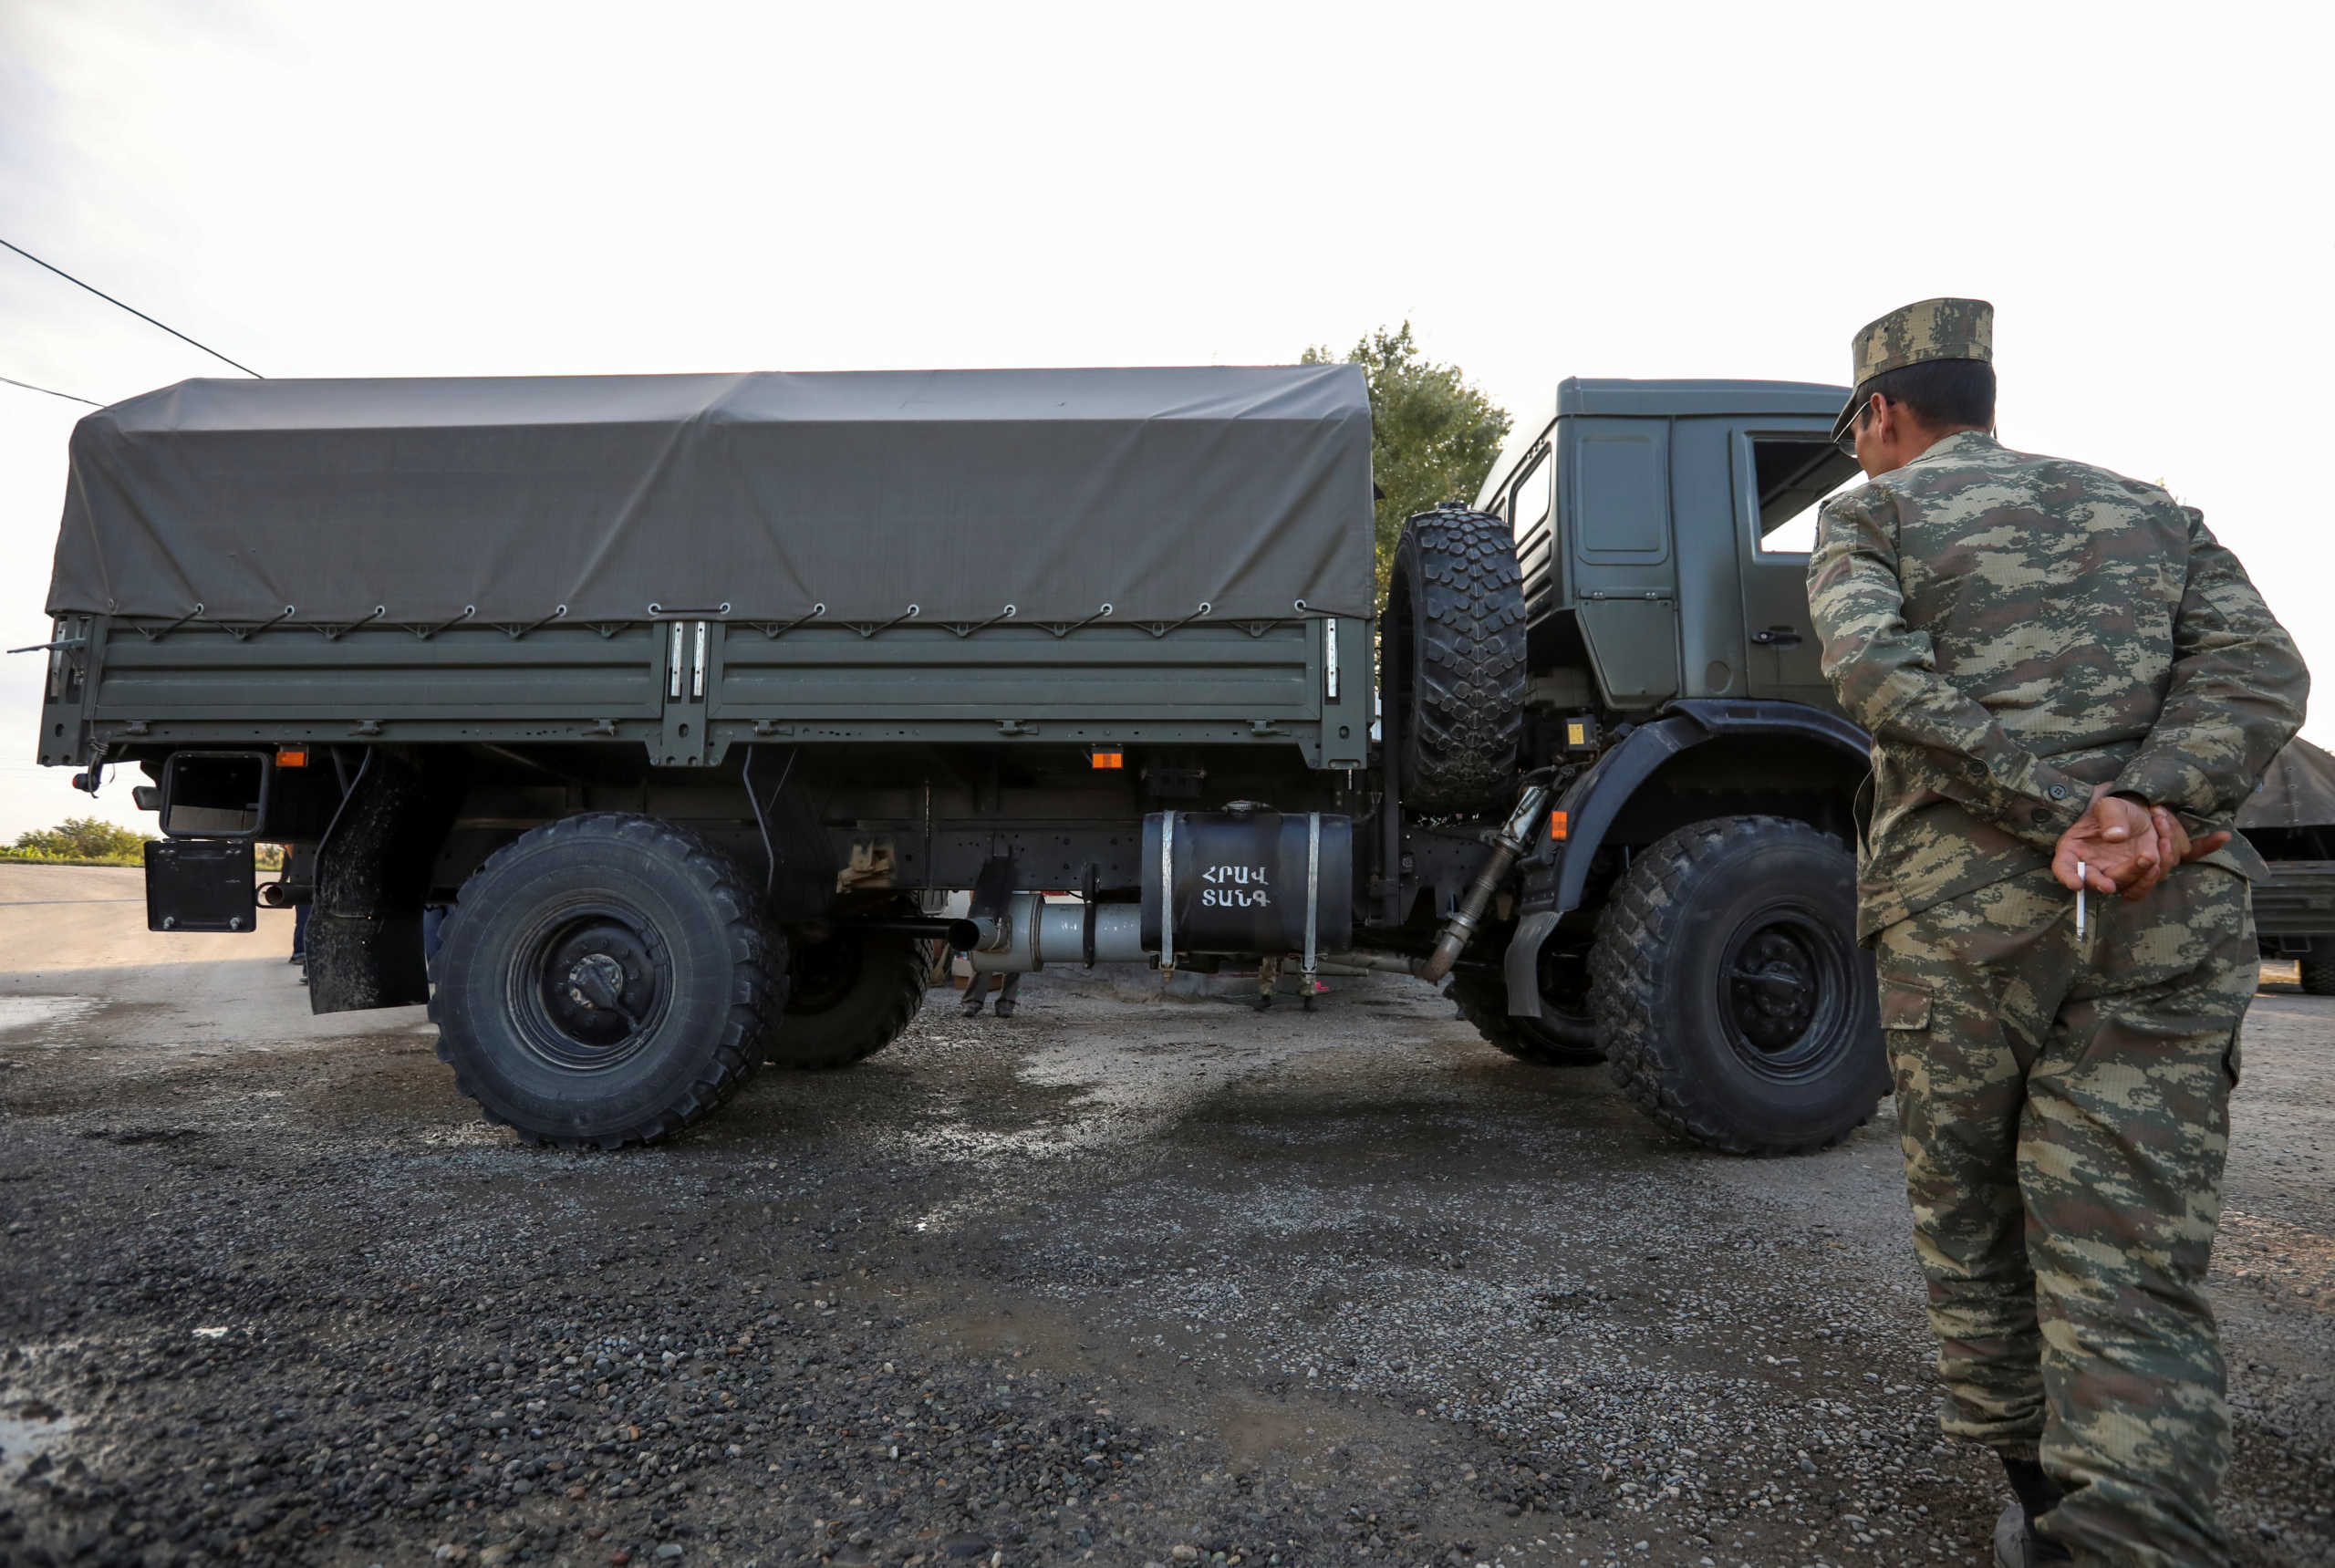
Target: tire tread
[1467,716]
[760,991]
[1486,1007]
[1642,917]
[902,1001]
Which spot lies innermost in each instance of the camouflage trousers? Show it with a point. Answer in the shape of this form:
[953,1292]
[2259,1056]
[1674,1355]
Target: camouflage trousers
[2065,1112]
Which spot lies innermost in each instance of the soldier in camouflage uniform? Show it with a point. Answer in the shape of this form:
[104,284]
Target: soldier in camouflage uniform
[2057,664]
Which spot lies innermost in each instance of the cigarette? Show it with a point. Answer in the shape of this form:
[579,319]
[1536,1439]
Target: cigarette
[2080,885]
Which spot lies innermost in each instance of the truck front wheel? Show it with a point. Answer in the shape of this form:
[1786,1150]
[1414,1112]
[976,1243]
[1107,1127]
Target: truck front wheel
[1737,1008]
[604,980]
[848,998]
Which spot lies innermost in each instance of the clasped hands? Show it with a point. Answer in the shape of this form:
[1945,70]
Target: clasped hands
[2125,848]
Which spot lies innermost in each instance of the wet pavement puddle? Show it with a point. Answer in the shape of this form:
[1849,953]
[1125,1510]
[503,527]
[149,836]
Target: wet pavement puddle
[32,1439]
[23,1013]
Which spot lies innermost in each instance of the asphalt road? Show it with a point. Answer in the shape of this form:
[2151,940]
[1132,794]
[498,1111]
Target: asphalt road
[1124,1280]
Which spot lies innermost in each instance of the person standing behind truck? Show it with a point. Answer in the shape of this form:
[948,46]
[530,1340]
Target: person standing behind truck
[1009,988]
[296,871]
[2065,677]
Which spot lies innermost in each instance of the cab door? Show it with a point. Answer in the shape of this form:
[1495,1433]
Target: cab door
[1623,576]
[1782,477]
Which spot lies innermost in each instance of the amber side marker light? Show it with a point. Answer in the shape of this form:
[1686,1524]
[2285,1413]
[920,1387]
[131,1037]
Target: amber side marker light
[1109,760]
[291,757]
[1558,826]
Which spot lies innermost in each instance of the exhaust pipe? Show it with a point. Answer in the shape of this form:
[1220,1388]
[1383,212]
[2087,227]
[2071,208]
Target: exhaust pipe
[1384,964]
[1028,935]
[1507,844]
[962,936]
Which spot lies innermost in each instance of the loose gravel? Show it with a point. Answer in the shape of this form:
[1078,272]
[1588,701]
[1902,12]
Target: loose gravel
[1124,1280]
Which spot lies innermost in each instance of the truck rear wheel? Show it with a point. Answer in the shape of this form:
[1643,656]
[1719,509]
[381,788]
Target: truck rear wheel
[2317,976]
[847,998]
[1737,1009]
[1454,661]
[1571,1041]
[604,981]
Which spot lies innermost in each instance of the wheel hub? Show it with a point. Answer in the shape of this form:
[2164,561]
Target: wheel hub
[1773,989]
[598,983]
[597,980]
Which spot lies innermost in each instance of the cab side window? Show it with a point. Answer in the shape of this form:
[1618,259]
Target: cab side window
[1528,502]
[1793,477]
[1530,499]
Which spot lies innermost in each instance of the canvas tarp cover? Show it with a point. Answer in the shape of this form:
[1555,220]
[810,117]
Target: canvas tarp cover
[2297,791]
[960,492]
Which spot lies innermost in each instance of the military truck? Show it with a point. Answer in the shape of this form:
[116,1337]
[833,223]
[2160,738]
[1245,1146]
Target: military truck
[2291,820]
[694,698]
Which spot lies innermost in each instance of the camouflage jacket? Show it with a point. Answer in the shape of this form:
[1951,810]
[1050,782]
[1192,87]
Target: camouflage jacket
[2014,630]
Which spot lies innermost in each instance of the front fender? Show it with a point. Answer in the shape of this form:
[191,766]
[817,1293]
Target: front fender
[1599,795]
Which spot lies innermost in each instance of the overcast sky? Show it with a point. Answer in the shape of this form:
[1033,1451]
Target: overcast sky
[1543,191]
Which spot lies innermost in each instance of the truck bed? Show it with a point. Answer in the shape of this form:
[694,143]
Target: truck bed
[684,562]
[687,689]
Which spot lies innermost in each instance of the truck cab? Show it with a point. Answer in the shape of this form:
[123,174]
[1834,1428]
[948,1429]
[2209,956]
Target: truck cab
[1687,914]
[1662,531]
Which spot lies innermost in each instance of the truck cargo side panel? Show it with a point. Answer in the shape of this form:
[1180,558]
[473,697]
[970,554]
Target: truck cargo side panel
[1248,683]
[1198,674]
[2298,900]
[297,676]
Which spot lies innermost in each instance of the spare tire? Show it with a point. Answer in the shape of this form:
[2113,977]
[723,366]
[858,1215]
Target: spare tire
[1453,663]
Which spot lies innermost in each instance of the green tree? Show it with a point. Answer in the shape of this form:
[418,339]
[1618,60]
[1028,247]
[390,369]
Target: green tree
[85,838]
[1433,434]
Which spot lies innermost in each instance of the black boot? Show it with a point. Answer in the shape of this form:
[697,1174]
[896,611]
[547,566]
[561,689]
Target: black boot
[2016,1543]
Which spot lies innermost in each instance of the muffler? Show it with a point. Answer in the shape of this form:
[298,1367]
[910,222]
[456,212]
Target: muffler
[1033,933]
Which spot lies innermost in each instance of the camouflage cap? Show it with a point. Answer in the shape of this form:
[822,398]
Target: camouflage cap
[1932,329]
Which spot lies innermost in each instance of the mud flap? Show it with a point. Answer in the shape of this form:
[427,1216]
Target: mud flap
[1522,967]
[372,875]
[200,885]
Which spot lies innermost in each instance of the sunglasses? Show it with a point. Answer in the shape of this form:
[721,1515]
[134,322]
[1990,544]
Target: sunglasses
[1847,440]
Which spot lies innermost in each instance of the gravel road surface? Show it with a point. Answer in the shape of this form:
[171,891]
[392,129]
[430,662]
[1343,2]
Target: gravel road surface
[1122,1280]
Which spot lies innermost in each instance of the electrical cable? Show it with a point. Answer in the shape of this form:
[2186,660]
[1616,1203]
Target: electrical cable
[52,391]
[134,310]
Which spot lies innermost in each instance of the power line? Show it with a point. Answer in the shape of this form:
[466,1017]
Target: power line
[134,310]
[52,391]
